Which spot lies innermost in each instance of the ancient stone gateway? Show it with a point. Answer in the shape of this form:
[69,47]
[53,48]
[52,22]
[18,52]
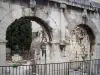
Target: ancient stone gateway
[69,21]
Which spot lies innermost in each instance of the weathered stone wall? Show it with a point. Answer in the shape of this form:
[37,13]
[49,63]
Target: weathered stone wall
[62,20]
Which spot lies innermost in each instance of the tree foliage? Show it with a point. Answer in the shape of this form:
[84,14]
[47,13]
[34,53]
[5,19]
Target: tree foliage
[19,33]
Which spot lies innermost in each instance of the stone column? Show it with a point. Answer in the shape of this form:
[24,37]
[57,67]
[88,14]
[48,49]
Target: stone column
[2,53]
[97,47]
[63,22]
[97,53]
[55,53]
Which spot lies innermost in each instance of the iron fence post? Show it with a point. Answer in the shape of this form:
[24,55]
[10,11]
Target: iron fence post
[68,68]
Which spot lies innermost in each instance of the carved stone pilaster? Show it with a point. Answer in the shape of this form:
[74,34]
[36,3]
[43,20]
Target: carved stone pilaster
[2,52]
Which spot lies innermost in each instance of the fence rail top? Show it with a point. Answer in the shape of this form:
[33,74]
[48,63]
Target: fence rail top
[95,60]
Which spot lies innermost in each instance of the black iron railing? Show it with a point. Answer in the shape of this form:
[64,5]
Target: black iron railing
[88,67]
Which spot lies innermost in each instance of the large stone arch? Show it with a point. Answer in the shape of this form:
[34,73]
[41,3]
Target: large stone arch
[45,27]
[39,21]
[17,14]
[42,23]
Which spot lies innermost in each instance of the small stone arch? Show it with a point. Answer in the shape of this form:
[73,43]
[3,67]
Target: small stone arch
[91,36]
[90,28]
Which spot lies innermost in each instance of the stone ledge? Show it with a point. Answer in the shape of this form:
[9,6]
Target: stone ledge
[79,5]
[55,42]
[3,41]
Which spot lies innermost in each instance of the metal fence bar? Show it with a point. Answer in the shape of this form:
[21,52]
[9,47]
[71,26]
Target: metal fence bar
[52,69]
[68,68]
[87,67]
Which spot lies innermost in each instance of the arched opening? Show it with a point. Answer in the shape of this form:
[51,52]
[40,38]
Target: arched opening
[82,42]
[46,32]
[91,37]
[42,23]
